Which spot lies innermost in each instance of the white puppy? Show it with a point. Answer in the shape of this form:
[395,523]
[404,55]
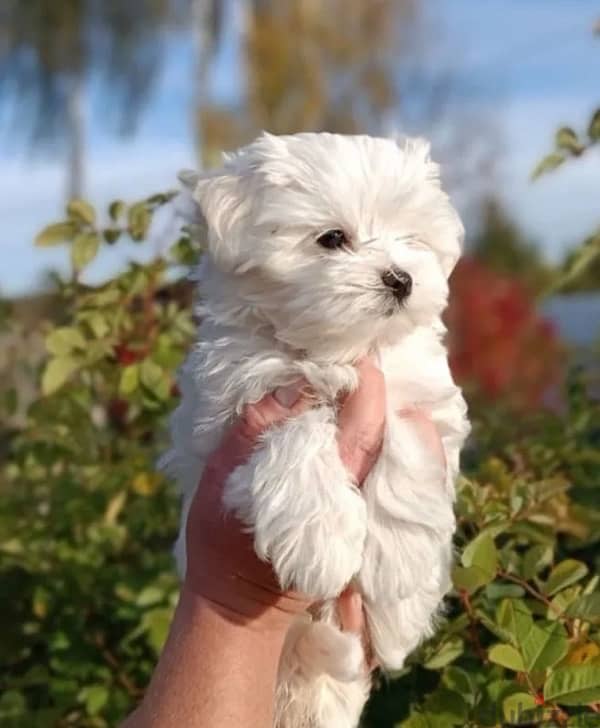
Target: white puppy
[323,248]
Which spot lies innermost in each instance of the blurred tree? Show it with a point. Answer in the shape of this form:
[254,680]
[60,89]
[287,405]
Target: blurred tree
[50,48]
[504,248]
[208,21]
[340,66]
[316,67]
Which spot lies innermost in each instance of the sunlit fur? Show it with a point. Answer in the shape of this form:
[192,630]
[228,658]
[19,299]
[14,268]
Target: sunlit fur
[276,306]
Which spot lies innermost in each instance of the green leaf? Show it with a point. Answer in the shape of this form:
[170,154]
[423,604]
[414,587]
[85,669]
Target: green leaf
[459,680]
[469,579]
[149,595]
[537,558]
[161,198]
[540,644]
[151,373]
[566,139]
[56,373]
[514,618]
[480,562]
[496,591]
[586,607]
[564,574]
[561,601]
[116,209]
[576,685]
[60,232]
[416,720]
[507,656]
[516,705]
[481,553]
[448,707]
[155,379]
[63,340]
[583,258]
[81,210]
[543,646]
[111,235]
[447,653]
[130,378]
[156,623]
[84,249]
[552,161]
[493,627]
[97,323]
[594,126]
[139,218]
[94,698]
[12,706]
[184,251]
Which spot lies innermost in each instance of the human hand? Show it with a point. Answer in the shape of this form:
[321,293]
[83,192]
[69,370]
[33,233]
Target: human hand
[222,565]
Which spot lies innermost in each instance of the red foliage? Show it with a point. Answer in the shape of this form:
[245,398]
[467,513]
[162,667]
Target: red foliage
[117,411]
[499,344]
[126,356]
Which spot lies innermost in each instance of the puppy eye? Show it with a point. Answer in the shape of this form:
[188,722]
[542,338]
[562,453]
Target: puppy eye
[333,239]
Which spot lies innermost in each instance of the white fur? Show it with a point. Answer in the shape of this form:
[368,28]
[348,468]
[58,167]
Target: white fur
[276,306]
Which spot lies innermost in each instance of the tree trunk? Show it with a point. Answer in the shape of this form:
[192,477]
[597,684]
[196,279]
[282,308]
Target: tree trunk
[75,136]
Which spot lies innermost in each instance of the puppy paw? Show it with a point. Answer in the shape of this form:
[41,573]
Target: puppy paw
[319,557]
[324,649]
[308,518]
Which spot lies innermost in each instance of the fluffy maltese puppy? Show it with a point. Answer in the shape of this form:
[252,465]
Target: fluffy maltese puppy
[323,248]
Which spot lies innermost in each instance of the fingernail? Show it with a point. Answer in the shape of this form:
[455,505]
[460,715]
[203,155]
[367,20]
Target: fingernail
[289,395]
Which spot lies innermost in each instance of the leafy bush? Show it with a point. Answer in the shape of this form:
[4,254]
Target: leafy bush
[86,526]
[520,644]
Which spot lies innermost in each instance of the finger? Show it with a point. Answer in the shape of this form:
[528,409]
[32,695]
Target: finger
[361,421]
[256,418]
[350,611]
[352,619]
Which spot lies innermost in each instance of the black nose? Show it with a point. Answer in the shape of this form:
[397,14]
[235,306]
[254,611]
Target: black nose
[399,281]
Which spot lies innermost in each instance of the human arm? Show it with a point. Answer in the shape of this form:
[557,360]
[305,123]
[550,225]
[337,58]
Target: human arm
[219,664]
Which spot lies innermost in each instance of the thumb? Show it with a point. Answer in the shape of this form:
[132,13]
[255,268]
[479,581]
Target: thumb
[256,418]
[361,421]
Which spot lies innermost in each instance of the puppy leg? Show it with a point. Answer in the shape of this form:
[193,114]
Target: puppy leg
[323,682]
[307,516]
[397,627]
[410,515]
[408,551]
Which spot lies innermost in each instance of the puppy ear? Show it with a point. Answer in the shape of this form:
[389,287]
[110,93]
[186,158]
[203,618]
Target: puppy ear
[418,150]
[224,204]
[450,255]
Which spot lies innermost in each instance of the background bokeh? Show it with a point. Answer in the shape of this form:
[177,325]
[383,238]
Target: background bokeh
[101,103]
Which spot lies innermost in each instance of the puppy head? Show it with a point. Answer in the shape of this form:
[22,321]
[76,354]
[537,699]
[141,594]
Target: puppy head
[344,239]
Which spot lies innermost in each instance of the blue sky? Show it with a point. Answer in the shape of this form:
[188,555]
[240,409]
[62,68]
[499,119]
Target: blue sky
[528,65]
